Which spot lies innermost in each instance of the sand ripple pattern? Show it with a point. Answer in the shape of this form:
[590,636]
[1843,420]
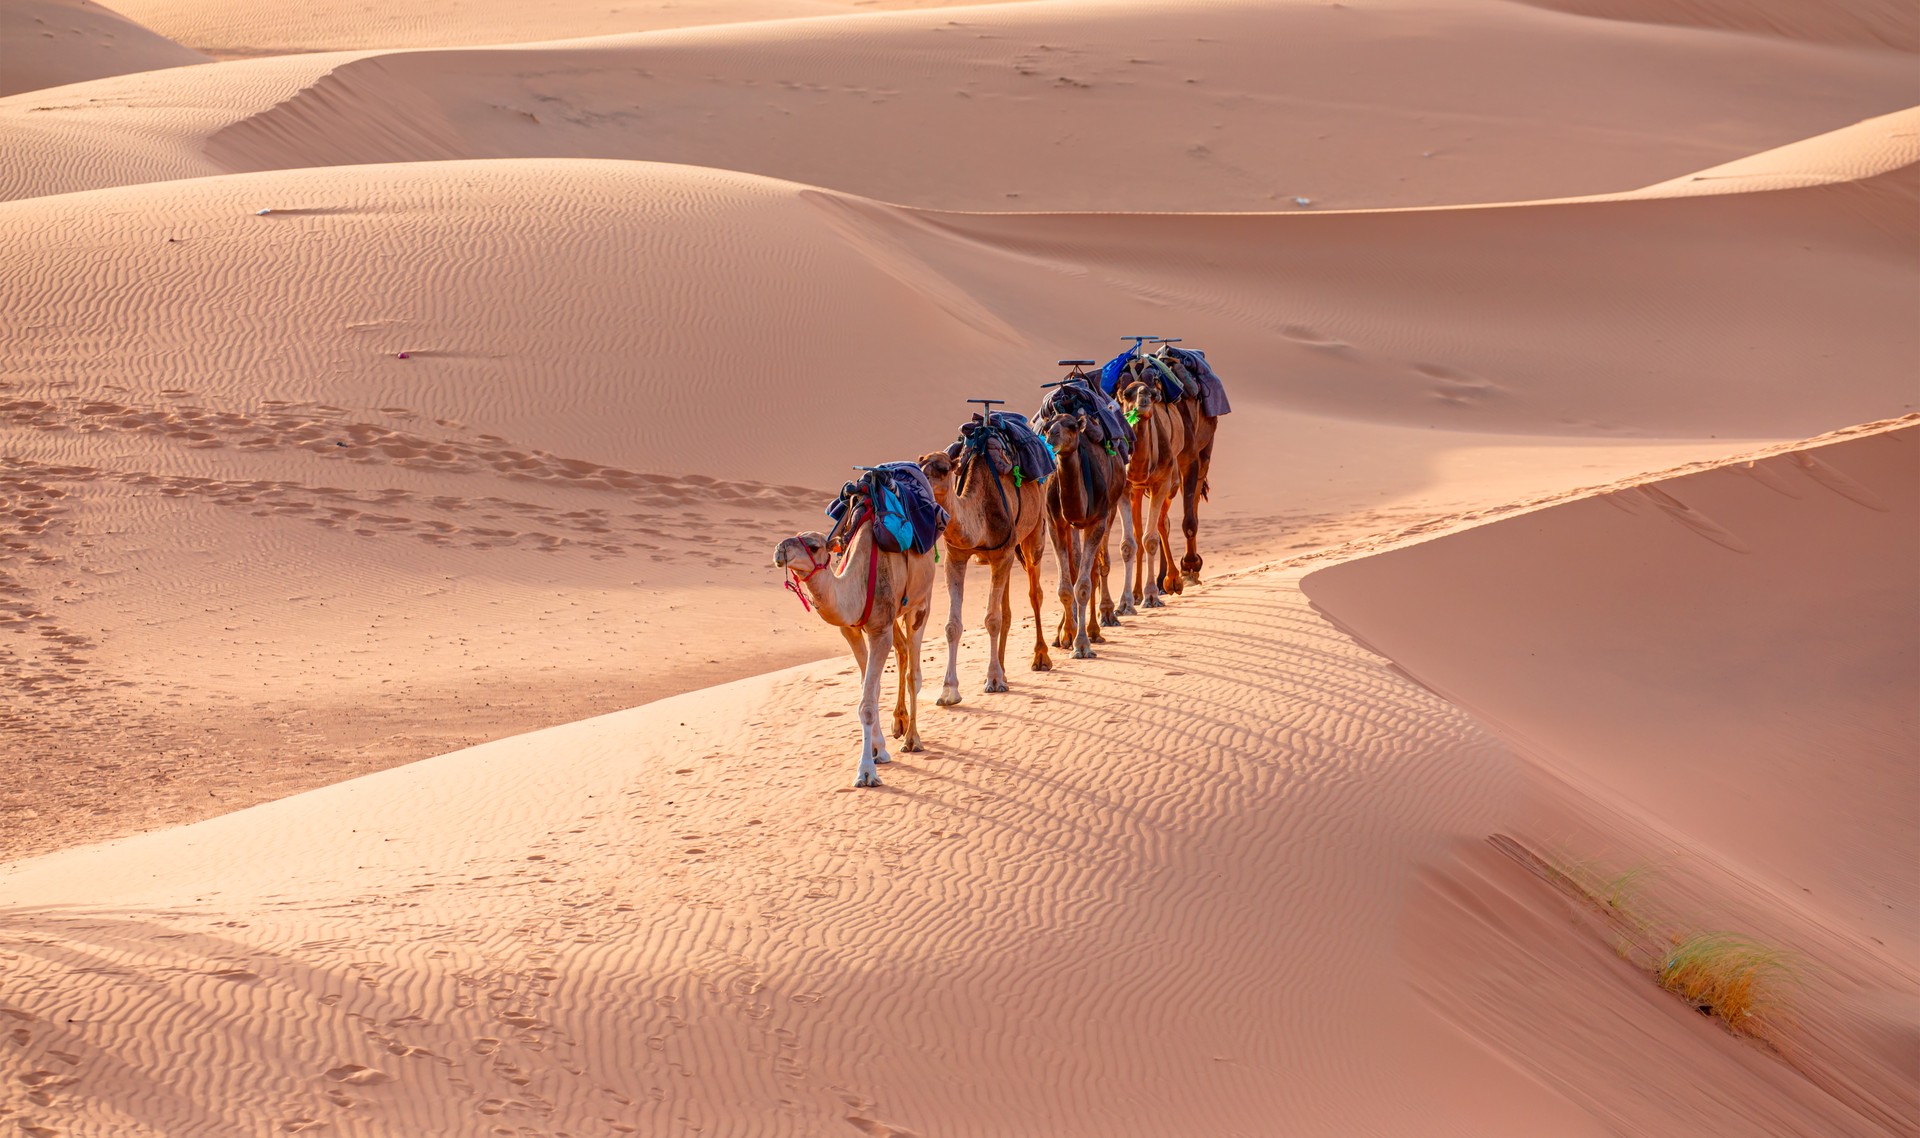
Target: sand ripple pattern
[684,924]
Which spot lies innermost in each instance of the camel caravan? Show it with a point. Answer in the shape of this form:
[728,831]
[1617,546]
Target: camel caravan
[1115,446]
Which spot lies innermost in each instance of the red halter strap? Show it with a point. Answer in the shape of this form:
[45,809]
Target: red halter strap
[795,580]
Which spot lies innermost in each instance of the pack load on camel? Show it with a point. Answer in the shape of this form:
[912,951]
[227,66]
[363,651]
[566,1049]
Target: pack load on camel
[1080,394]
[1193,370]
[1010,443]
[1183,373]
[906,517]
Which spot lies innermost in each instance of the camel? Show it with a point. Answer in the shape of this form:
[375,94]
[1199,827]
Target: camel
[998,522]
[1196,460]
[879,601]
[1082,498]
[1154,475]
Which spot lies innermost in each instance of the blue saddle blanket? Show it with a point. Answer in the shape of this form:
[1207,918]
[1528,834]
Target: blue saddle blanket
[906,518]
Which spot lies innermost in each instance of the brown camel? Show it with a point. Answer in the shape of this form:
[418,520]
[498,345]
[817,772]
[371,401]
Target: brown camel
[1153,476]
[1082,498]
[1196,460]
[998,522]
[879,602]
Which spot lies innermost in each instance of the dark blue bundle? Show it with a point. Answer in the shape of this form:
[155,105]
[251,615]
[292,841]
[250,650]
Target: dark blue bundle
[1031,455]
[1077,396]
[906,519]
[1213,393]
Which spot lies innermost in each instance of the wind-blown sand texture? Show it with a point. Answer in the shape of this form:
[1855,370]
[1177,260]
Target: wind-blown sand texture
[399,383]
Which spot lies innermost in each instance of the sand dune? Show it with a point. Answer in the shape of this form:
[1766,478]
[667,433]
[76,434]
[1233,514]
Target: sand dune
[1868,23]
[1087,897]
[228,28]
[1714,673]
[1070,105]
[211,415]
[452,379]
[51,43]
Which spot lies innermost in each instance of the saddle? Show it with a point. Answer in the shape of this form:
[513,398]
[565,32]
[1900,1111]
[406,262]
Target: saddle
[906,518]
[1008,443]
[1105,425]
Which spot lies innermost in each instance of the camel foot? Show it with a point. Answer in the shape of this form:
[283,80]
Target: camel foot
[900,727]
[1190,576]
[996,686]
[1126,609]
[1085,652]
[948,697]
[868,778]
[1093,634]
[1062,642]
[913,745]
[1042,664]
[1153,603]
[1109,619]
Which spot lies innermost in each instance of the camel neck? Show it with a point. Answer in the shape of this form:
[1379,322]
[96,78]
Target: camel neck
[840,592]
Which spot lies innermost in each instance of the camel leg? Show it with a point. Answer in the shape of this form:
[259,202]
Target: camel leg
[1082,591]
[1190,514]
[1146,584]
[1129,554]
[1170,581]
[1096,539]
[956,597]
[859,645]
[1101,569]
[1030,560]
[909,631]
[1103,573]
[873,741]
[1162,551]
[1063,553]
[998,618]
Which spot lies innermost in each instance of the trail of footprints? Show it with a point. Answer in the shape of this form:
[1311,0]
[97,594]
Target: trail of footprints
[669,518]
[327,432]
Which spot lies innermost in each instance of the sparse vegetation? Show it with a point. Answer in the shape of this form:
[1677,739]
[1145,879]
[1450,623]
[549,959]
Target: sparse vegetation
[1725,975]
[1734,978]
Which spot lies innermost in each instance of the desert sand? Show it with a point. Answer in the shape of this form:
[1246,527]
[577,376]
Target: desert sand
[400,410]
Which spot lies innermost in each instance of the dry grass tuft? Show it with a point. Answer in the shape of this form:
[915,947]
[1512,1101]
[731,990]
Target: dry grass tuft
[1727,976]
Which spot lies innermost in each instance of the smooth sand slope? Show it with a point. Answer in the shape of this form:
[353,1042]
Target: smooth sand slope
[613,393]
[1715,673]
[1166,894]
[235,28]
[1221,105]
[50,43]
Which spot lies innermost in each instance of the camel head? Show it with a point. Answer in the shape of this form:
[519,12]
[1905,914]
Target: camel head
[1063,433]
[1138,398]
[801,551]
[938,467]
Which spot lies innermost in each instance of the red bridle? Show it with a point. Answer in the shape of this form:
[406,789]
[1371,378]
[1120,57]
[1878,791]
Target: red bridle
[795,580]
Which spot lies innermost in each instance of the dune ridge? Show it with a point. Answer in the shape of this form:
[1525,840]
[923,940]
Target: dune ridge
[1077,90]
[545,444]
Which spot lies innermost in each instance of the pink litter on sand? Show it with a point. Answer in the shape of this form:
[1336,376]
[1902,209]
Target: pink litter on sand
[404,355]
